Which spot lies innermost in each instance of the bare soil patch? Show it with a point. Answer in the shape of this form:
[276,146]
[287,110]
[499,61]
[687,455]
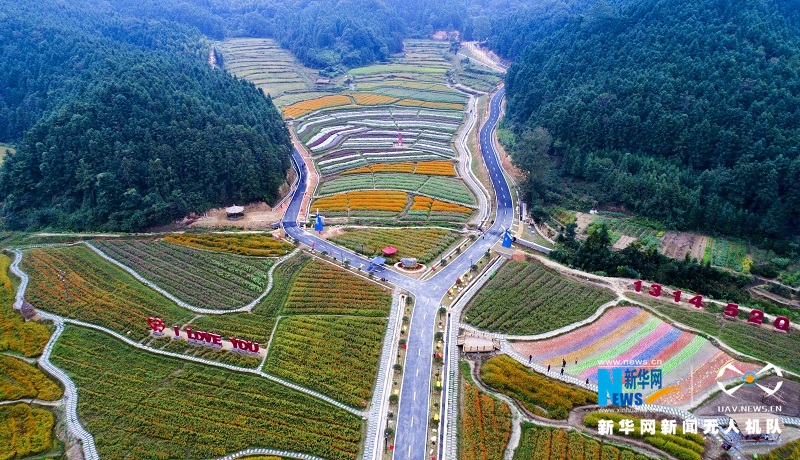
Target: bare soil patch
[623,242]
[583,220]
[676,245]
[256,216]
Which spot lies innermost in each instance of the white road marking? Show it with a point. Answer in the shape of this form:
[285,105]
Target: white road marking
[417,373]
[419,350]
[415,396]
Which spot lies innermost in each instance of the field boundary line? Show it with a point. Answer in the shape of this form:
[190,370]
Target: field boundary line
[59,321]
[556,332]
[207,362]
[265,451]
[73,424]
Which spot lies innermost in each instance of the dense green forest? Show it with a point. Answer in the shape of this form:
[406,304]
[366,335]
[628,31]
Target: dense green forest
[120,124]
[683,112]
[334,35]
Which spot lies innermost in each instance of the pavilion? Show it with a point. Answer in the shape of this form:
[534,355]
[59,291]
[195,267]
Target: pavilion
[234,212]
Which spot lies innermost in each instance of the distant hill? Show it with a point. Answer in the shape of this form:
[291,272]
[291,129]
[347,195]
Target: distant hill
[120,124]
[682,111]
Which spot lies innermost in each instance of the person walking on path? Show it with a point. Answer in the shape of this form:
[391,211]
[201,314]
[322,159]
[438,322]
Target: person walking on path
[530,358]
[562,371]
[563,362]
[548,368]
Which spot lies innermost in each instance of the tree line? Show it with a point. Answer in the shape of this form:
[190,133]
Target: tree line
[120,124]
[683,112]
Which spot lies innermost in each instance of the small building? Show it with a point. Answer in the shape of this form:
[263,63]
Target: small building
[323,82]
[389,251]
[376,264]
[27,310]
[234,212]
[477,342]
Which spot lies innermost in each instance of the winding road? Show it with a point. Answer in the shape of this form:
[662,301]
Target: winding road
[411,439]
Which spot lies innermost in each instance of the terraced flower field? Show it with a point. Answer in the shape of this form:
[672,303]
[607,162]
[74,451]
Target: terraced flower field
[202,278]
[485,422]
[25,431]
[136,403]
[266,64]
[538,394]
[99,292]
[430,168]
[443,188]
[424,244]
[331,332]
[627,333]
[25,337]
[527,298]
[540,442]
[344,139]
[246,244]
[21,380]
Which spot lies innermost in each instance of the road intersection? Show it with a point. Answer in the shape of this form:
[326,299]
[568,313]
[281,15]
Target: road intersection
[411,441]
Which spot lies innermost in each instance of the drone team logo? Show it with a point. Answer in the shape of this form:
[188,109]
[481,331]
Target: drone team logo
[749,379]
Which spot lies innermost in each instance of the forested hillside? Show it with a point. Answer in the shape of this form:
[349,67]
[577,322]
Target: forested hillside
[684,112]
[120,124]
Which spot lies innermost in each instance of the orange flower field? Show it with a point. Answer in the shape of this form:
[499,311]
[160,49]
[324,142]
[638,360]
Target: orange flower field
[436,168]
[428,168]
[424,203]
[301,108]
[373,99]
[363,200]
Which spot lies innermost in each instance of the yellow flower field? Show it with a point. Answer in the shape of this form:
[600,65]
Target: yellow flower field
[424,203]
[301,108]
[429,168]
[436,168]
[362,200]
[373,99]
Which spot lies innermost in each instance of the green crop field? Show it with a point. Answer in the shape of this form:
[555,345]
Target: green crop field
[330,334]
[136,404]
[539,442]
[396,68]
[538,394]
[527,298]
[99,292]
[423,243]
[688,446]
[728,254]
[202,278]
[267,65]
[447,189]
[314,351]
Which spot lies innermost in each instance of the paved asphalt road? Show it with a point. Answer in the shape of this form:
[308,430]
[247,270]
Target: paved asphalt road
[411,439]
